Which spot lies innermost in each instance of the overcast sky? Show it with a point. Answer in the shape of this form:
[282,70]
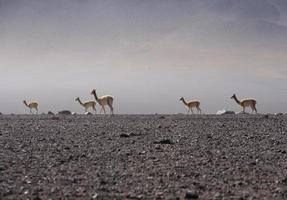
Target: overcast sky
[146,53]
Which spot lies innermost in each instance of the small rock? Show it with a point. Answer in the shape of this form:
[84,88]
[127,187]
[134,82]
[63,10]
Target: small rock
[53,189]
[65,112]
[73,113]
[50,113]
[88,113]
[162,117]
[125,135]
[55,118]
[253,163]
[266,116]
[159,194]
[0,113]
[95,196]
[191,195]
[164,141]
[103,182]
[142,153]
[133,134]
[225,112]
[28,181]
[284,180]
[159,126]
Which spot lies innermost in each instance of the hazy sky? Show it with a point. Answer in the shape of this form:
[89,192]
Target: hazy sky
[146,53]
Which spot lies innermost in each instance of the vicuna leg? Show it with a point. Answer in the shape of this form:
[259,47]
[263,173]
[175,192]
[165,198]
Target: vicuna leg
[110,103]
[198,109]
[94,108]
[104,109]
[111,110]
[254,108]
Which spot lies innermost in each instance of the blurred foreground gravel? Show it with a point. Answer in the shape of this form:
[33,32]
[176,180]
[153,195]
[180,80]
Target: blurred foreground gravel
[143,157]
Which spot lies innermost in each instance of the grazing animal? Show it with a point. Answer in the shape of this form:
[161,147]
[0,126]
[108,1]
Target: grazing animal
[191,105]
[246,103]
[87,105]
[31,105]
[104,100]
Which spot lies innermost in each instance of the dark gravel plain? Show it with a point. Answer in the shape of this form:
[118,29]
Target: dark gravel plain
[143,157]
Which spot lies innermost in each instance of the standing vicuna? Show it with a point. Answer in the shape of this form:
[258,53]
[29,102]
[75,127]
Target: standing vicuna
[104,100]
[87,105]
[191,104]
[31,105]
[246,103]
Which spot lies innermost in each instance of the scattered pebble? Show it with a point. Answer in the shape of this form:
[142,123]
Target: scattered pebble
[191,195]
[55,118]
[164,141]
[65,112]
[95,196]
[50,113]
[125,135]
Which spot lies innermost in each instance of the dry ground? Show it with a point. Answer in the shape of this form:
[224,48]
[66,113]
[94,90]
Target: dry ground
[143,157]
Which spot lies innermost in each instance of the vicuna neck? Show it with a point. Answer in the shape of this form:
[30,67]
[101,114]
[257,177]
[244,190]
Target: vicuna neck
[80,101]
[183,100]
[26,104]
[237,101]
[96,97]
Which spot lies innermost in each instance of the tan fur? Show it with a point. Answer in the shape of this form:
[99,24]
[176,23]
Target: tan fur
[103,101]
[248,102]
[31,105]
[191,104]
[87,105]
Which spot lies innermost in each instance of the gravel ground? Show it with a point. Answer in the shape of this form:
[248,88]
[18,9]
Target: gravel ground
[143,157]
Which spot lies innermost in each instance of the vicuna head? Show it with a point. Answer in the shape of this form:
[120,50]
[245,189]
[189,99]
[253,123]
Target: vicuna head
[181,99]
[77,99]
[93,91]
[233,96]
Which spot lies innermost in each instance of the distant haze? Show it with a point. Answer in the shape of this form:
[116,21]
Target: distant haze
[146,53]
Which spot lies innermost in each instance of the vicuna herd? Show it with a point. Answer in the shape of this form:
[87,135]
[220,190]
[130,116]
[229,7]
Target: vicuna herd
[103,101]
[107,100]
[243,103]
